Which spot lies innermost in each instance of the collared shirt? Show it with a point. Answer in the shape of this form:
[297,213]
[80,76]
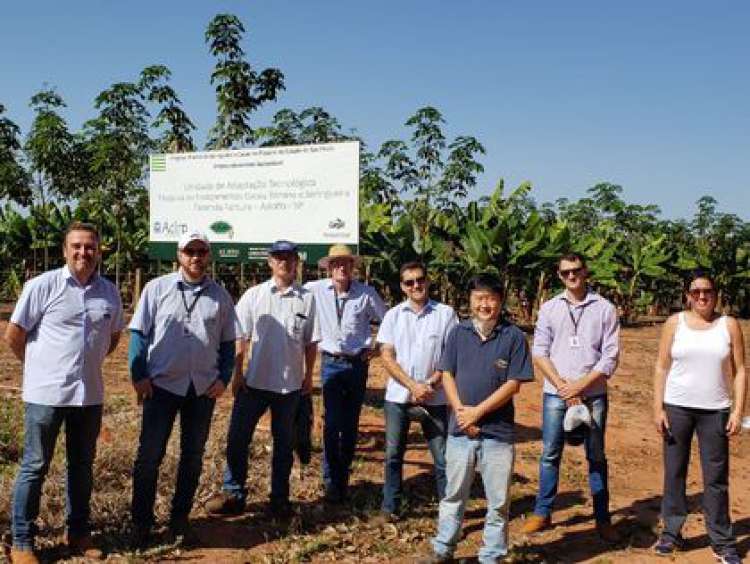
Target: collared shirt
[480,368]
[69,329]
[418,339]
[280,325]
[359,307]
[594,345]
[184,349]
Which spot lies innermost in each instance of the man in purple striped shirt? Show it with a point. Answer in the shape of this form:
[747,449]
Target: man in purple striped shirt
[576,344]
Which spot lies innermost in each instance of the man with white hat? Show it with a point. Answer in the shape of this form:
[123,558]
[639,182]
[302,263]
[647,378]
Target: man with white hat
[346,308]
[182,348]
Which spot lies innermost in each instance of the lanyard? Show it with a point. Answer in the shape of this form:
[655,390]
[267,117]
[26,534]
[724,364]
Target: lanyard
[575,321]
[189,309]
[339,305]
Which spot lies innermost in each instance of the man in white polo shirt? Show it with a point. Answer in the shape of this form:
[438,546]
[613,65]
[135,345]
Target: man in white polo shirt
[64,324]
[412,337]
[182,349]
[279,318]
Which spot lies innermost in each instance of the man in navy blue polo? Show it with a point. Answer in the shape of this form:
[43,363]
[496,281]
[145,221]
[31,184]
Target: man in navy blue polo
[484,362]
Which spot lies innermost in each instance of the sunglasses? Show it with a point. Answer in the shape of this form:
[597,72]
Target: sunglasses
[696,293]
[568,271]
[195,252]
[411,282]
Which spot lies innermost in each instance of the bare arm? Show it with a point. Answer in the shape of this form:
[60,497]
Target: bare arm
[451,392]
[15,336]
[113,341]
[238,380]
[661,369]
[740,376]
[470,415]
[548,370]
[311,354]
[419,391]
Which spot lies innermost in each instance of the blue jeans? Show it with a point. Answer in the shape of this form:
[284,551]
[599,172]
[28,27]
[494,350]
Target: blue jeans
[159,413]
[41,426]
[398,416]
[249,407]
[553,438]
[494,459]
[344,383]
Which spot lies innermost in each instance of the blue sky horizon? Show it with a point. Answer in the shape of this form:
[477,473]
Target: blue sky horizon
[651,96]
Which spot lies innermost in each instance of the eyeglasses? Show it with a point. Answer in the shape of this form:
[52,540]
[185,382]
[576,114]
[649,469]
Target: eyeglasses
[411,282]
[568,271]
[195,252]
[696,293]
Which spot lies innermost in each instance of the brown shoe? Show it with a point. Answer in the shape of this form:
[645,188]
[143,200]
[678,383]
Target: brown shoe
[224,504]
[608,533]
[535,523]
[18,556]
[84,546]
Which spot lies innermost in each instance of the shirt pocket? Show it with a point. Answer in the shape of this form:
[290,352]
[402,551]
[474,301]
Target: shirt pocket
[99,315]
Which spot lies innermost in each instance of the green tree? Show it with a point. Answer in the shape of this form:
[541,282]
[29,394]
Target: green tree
[15,182]
[240,90]
[175,125]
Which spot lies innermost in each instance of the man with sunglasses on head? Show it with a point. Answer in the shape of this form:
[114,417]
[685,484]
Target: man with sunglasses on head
[182,348]
[279,319]
[576,346]
[346,308]
[412,337]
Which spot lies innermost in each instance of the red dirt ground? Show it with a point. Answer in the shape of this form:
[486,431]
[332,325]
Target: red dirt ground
[634,454]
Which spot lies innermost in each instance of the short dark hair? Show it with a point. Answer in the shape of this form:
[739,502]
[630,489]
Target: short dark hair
[700,273]
[81,226]
[411,265]
[488,282]
[572,257]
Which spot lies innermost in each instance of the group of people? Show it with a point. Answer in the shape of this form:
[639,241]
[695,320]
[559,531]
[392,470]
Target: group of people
[189,343]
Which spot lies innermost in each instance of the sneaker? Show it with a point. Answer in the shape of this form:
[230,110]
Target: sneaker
[23,556]
[727,555]
[667,546]
[83,546]
[535,523]
[608,533]
[225,504]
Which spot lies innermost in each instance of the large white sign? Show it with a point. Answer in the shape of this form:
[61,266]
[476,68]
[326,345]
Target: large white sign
[308,194]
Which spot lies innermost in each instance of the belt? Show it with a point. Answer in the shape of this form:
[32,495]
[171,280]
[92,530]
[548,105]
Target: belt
[341,356]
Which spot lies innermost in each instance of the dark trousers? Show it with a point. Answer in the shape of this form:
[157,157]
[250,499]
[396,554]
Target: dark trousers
[303,421]
[713,445]
[249,406]
[398,418]
[42,424]
[344,382]
[159,413]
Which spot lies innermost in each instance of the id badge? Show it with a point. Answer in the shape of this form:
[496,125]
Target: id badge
[186,330]
[575,342]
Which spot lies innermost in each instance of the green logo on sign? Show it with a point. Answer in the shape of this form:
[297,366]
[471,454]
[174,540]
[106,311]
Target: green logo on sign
[222,228]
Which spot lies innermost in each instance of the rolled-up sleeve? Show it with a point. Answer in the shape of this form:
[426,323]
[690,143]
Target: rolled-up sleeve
[542,334]
[610,342]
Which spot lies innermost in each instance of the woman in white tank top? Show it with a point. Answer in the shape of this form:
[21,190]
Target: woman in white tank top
[699,387]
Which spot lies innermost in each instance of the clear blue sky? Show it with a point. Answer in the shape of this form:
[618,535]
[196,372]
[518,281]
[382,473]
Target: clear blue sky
[654,96]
